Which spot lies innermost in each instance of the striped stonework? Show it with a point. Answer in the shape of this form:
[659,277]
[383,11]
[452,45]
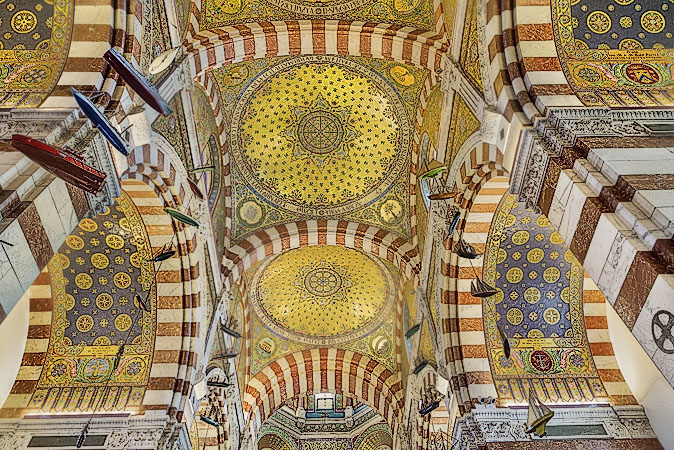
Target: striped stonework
[477,169]
[527,76]
[469,309]
[611,202]
[174,329]
[214,48]
[98,26]
[38,212]
[323,370]
[284,237]
[594,309]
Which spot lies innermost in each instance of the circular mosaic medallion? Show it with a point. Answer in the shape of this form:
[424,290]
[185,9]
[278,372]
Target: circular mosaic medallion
[24,21]
[653,21]
[541,361]
[323,282]
[323,295]
[320,132]
[334,153]
[642,74]
[599,22]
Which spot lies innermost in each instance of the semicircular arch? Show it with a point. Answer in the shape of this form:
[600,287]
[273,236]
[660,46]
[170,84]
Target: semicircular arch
[330,370]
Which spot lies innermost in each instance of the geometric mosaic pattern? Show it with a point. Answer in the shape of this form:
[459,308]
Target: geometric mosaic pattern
[617,53]
[319,137]
[416,13]
[539,306]
[323,294]
[33,48]
[102,265]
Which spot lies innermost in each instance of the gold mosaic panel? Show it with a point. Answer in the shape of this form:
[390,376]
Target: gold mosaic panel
[414,13]
[34,44]
[462,125]
[320,137]
[617,54]
[470,51]
[323,295]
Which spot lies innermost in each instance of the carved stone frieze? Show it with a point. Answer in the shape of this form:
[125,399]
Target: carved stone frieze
[137,432]
[30,122]
[563,126]
[507,425]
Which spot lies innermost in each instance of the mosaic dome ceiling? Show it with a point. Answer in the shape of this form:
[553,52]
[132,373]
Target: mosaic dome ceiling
[322,134]
[323,294]
[416,13]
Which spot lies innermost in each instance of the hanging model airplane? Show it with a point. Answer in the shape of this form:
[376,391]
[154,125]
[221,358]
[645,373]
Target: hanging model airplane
[101,122]
[62,162]
[141,85]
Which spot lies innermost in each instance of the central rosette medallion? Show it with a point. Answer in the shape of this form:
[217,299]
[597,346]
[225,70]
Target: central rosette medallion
[320,135]
[320,132]
[322,294]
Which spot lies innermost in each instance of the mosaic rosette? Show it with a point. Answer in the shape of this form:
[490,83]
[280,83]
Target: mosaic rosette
[94,277]
[322,295]
[539,307]
[33,49]
[617,53]
[304,147]
[219,13]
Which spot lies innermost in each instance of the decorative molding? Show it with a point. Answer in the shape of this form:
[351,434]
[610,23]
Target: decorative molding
[35,123]
[507,425]
[138,432]
[560,130]
[97,154]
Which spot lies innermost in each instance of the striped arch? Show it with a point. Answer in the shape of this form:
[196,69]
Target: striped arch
[528,78]
[477,168]
[322,370]
[280,238]
[151,169]
[164,380]
[98,25]
[155,167]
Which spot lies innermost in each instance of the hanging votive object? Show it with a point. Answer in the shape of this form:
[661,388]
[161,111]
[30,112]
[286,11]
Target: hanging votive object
[465,250]
[538,415]
[480,289]
[181,217]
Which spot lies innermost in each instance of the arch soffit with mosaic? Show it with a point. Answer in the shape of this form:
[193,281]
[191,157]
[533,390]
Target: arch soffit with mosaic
[278,239]
[293,376]
[159,398]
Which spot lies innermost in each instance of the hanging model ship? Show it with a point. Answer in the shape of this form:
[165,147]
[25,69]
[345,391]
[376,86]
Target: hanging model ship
[141,85]
[101,122]
[62,162]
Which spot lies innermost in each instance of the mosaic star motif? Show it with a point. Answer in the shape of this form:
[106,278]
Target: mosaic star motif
[322,294]
[321,132]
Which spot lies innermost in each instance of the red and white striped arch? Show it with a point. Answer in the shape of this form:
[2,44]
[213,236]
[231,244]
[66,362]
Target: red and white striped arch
[280,238]
[322,370]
